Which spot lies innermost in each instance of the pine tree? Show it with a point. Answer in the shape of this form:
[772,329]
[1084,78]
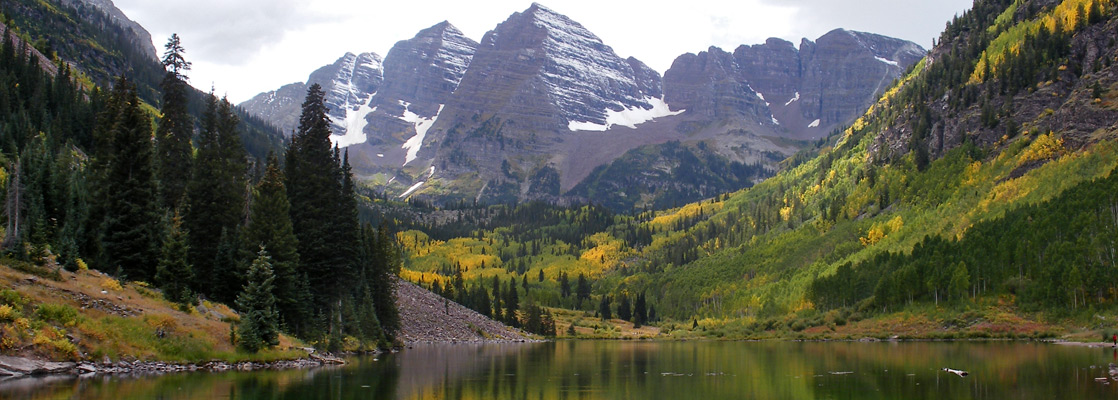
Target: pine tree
[174,272]
[640,312]
[583,290]
[132,218]
[623,308]
[315,189]
[259,326]
[604,309]
[269,225]
[512,304]
[215,196]
[384,267]
[176,128]
[564,285]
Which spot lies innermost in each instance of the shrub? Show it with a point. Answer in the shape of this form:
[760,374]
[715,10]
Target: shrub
[111,284]
[7,313]
[58,313]
[12,298]
[53,342]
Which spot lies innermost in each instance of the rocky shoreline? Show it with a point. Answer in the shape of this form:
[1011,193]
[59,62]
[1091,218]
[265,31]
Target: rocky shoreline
[17,367]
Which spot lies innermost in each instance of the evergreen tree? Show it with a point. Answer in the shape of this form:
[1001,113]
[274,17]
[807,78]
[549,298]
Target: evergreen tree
[132,218]
[269,225]
[497,298]
[604,309]
[624,310]
[583,290]
[259,326]
[176,128]
[512,304]
[215,195]
[640,312]
[533,319]
[382,268]
[315,191]
[564,285]
[174,272]
[547,322]
[228,271]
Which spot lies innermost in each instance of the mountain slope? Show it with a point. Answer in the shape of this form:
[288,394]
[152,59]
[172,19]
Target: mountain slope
[975,191]
[543,109]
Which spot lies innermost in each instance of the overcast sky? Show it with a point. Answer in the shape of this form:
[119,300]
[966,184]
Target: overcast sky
[244,47]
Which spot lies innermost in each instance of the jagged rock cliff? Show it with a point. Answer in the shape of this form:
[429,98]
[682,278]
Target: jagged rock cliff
[541,105]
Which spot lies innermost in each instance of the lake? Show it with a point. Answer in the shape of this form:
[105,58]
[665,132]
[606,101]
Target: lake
[643,370]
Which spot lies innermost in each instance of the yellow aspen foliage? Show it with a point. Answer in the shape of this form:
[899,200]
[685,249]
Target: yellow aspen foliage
[895,224]
[786,213]
[874,235]
[1044,147]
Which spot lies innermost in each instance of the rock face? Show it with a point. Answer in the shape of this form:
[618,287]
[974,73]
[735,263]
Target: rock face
[541,68]
[420,74]
[807,92]
[141,37]
[349,83]
[541,104]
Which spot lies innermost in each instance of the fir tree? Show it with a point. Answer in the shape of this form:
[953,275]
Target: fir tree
[269,225]
[215,196]
[604,309]
[174,272]
[132,217]
[583,289]
[512,304]
[259,326]
[640,312]
[564,285]
[383,265]
[315,189]
[623,308]
[176,128]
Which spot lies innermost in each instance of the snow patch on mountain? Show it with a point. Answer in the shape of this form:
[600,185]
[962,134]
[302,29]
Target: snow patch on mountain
[355,123]
[415,143]
[629,117]
[814,124]
[887,61]
[412,189]
[794,98]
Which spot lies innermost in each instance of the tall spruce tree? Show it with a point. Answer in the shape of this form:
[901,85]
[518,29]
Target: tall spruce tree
[132,222]
[640,312]
[215,197]
[174,273]
[259,326]
[381,261]
[316,192]
[176,128]
[269,225]
[624,311]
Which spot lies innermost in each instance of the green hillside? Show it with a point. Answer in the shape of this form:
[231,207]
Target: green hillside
[978,186]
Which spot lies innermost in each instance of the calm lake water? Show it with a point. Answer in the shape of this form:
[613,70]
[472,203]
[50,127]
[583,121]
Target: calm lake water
[643,370]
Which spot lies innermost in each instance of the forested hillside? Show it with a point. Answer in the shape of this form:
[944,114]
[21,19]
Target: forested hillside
[96,178]
[980,181]
[102,50]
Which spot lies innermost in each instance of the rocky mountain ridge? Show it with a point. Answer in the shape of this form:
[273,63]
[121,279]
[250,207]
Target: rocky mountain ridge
[541,104]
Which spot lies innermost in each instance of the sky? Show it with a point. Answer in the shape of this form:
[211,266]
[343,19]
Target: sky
[245,47]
